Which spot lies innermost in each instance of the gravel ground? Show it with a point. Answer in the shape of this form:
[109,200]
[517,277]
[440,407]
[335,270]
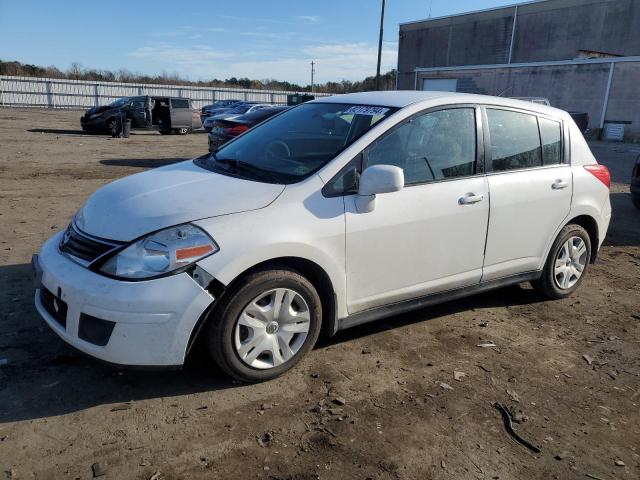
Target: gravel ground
[379,401]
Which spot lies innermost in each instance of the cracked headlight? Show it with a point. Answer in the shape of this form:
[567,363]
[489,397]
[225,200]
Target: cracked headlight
[164,252]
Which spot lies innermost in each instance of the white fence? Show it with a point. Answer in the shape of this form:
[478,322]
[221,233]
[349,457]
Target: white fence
[57,93]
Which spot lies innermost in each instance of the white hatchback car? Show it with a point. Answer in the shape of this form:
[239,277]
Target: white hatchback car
[334,213]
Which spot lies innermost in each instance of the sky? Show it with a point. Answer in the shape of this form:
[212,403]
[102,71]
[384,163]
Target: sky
[259,39]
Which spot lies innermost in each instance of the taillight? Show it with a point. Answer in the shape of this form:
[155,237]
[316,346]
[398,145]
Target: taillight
[600,172]
[237,130]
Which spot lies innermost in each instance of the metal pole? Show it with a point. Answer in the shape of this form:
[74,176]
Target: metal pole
[606,96]
[380,46]
[312,72]
[513,33]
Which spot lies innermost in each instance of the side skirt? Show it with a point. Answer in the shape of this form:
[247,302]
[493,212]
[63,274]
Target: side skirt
[433,299]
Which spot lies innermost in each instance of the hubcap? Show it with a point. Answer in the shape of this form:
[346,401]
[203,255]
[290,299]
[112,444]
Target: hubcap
[272,328]
[570,263]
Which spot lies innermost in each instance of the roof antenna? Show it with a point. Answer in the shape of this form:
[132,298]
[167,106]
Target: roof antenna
[430,5]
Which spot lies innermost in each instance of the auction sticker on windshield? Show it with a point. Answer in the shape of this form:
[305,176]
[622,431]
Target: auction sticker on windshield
[366,110]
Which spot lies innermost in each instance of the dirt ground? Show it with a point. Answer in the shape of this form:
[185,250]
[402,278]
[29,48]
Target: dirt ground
[569,370]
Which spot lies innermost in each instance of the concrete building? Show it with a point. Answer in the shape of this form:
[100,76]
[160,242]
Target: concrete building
[583,55]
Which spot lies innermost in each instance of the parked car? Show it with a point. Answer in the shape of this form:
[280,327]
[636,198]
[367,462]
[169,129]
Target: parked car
[337,212]
[225,130]
[635,184]
[218,107]
[581,118]
[166,114]
[234,112]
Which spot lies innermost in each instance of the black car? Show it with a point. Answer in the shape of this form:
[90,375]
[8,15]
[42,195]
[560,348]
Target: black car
[218,107]
[225,130]
[635,184]
[166,114]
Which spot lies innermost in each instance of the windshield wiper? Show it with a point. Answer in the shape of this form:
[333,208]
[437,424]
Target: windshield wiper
[232,165]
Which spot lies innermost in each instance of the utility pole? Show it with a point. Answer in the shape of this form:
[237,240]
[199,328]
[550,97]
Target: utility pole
[313,64]
[380,47]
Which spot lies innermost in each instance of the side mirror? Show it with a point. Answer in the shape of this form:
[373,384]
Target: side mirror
[377,179]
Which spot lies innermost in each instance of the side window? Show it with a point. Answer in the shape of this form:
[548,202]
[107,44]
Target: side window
[551,135]
[137,104]
[433,146]
[179,103]
[515,140]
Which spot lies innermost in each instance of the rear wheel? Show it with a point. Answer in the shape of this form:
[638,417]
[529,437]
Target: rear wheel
[182,131]
[264,325]
[566,264]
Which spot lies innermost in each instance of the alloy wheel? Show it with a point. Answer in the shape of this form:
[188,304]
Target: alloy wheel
[272,328]
[571,261]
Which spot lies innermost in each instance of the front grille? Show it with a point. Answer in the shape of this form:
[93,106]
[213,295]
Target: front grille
[54,306]
[84,247]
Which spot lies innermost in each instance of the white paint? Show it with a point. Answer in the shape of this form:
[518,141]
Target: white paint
[415,241]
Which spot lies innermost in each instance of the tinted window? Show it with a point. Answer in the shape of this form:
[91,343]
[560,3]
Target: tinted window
[515,140]
[179,103]
[434,146]
[550,133]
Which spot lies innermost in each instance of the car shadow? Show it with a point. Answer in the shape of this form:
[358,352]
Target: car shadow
[624,229]
[63,131]
[142,162]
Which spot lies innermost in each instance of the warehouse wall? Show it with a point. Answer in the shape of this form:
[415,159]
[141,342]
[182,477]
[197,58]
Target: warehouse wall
[548,30]
[580,88]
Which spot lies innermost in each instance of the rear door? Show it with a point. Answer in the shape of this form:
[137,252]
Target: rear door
[181,115]
[530,188]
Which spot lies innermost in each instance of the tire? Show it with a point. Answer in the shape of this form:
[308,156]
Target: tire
[228,336]
[636,200]
[181,131]
[110,124]
[558,283]
[165,132]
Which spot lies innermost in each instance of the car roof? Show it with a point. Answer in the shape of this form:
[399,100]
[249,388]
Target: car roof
[404,98]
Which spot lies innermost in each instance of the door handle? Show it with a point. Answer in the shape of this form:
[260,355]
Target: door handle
[559,184]
[470,198]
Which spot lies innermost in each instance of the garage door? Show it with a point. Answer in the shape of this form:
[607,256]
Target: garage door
[440,84]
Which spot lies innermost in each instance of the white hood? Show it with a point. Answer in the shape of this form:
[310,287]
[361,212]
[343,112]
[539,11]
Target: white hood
[134,206]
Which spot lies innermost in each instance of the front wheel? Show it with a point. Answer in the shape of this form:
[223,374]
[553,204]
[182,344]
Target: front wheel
[264,325]
[566,264]
[182,131]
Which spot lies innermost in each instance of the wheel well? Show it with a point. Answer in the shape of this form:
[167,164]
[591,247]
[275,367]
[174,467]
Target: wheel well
[591,226]
[317,276]
[310,270]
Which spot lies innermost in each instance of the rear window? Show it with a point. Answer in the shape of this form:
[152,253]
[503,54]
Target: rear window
[515,140]
[179,103]
[551,136]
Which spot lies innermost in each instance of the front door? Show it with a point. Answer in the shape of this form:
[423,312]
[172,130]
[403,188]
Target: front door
[138,112]
[429,236]
[531,188]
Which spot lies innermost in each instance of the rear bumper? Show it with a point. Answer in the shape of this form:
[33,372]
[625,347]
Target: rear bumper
[146,323]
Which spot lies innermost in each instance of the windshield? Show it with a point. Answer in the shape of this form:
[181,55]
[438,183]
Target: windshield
[120,102]
[293,145]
